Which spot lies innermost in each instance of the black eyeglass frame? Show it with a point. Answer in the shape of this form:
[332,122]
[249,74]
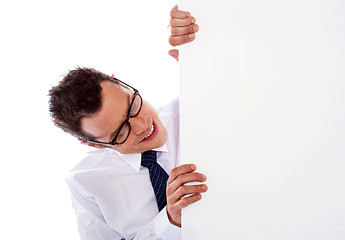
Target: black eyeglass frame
[113,142]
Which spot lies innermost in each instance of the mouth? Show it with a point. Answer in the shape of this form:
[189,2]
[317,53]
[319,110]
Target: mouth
[152,129]
[152,134]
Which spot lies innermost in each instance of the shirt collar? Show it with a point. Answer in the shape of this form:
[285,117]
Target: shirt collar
[134,159]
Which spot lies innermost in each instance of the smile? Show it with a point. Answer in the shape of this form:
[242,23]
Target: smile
[152,134]
[152,129]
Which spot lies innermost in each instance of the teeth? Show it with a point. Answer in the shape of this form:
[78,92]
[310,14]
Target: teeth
[152,129]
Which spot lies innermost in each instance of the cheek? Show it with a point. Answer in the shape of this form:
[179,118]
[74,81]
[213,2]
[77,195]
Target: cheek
[126,147]
[147,108]
[130,140]
[121,149]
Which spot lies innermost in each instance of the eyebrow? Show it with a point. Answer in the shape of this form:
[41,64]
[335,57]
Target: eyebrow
[111,137]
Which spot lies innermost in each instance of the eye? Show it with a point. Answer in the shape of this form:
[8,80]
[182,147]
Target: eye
[135,106]
[123,134]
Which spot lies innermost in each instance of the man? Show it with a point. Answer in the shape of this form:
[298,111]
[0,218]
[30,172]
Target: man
[119,191]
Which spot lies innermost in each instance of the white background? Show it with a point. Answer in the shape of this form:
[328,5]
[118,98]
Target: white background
[263,116]
[40,41]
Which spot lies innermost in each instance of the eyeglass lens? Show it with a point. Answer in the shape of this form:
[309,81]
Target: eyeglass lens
[124,132]
[135,106]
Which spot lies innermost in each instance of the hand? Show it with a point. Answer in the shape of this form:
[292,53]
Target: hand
[183,29]
[177,191]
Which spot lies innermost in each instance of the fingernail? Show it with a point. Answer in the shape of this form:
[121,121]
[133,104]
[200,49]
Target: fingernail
[193,167]
[196,28]
[193,20]
[203,177]
[204,187]
[199,196]
[188,14]
[191,36]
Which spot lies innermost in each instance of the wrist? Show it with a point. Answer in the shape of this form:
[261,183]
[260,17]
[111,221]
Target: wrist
[172,221]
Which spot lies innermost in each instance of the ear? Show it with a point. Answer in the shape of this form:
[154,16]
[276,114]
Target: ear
[92,145]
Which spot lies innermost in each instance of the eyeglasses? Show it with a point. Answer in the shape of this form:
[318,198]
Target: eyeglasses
[125,128]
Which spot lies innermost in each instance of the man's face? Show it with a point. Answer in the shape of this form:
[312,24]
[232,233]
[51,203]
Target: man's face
[106,122]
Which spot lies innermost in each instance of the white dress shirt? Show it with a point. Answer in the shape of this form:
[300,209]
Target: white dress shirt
[112,193]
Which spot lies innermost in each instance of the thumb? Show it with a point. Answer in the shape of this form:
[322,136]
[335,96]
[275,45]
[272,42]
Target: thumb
[174,53]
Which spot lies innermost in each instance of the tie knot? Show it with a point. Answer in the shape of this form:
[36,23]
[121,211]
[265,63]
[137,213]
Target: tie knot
[148,158]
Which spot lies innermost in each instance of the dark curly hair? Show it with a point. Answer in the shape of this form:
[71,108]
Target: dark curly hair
[77,95]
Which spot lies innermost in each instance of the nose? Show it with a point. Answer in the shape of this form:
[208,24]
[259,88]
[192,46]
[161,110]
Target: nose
[139,124]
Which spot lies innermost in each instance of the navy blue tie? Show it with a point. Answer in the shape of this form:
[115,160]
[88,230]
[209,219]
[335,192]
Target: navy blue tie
[158,177]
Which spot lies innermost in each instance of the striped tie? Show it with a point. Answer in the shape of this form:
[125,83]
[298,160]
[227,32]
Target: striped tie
[158,177]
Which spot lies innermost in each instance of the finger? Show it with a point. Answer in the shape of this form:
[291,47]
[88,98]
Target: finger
[186,168]
[174,53]
[175,8]
[174,41]
[184,202]
[185,190]
[176,22]
[175,13]
[112,75]
[182,179]
[179,31]
[189,177]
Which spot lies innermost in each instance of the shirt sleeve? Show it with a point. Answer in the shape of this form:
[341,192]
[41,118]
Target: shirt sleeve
[159,228]
[92,225]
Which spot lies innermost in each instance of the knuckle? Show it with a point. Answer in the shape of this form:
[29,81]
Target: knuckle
[173,209]
[191,28]
[199,177]
[178,179]
[197,197]
[194,177]
[184,190]
[172,22]
[194,198]
[193,20]
[174,171]
[174,31]
[190,20]
[170,208]
[182,178]
[187,38]
[184,202]
[169,191]
[171,177]
[169,202]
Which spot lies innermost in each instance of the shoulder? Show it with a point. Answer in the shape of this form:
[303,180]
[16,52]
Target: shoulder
[92,162]
[91,159]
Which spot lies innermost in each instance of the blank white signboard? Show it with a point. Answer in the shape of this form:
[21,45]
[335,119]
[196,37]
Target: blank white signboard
[263,116]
